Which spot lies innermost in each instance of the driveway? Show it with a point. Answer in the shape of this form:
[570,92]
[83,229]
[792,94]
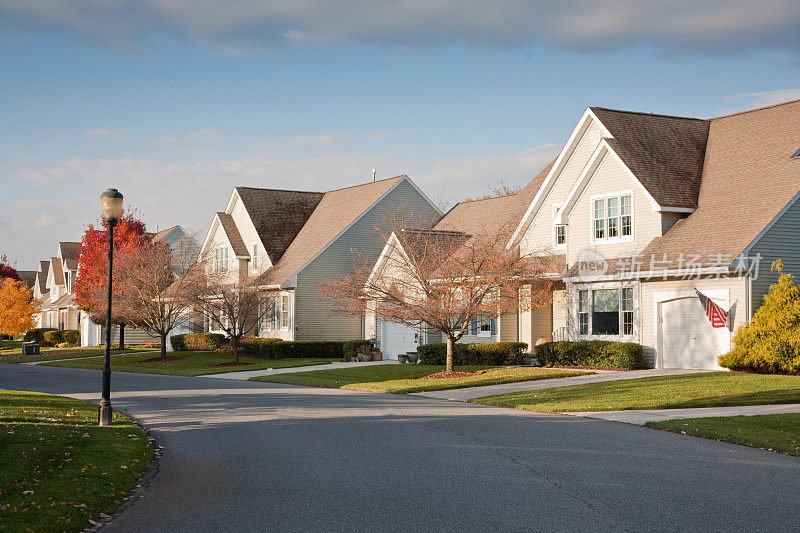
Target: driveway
[242,456]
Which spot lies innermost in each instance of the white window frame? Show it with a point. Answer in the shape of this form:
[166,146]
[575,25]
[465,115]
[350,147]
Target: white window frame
[279,315]
[588,311]
[220,261]
[254,260]
[487,323]
[556,245]
[606,239]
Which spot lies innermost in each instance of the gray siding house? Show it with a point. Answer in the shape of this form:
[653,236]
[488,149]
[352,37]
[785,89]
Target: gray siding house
[296,240]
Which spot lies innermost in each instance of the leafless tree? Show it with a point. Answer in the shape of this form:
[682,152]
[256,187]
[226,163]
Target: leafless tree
[155,286]
[442,279]
[229,298]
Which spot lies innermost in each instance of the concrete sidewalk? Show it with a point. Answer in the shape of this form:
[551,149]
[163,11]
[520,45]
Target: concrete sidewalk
[462,395]
[244,376]
[657,415]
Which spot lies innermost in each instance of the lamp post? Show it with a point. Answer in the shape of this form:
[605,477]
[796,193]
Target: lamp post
[111,205]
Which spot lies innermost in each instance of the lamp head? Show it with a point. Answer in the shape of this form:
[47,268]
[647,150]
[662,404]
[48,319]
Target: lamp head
[111,205]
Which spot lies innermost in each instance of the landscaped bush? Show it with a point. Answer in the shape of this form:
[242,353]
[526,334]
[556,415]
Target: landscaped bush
[72,337]
[487,353]
[602,354]
[276,349]
[37,335]
[5,337]
[770,344]
[178,343]
[54,337]
[353,348]
[203,342]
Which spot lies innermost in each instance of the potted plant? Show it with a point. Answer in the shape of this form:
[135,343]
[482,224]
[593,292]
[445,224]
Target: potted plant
[402,358]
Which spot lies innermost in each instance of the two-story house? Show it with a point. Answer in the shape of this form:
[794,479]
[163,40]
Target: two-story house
[648,210]
[294,241]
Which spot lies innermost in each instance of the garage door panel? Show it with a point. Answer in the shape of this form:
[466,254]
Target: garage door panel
[687,338]
[397,339]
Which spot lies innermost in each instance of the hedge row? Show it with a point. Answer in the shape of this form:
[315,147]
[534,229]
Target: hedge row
[37,335]
[603,354]
[278,349]
[197,342]
[487,353]
[72,337]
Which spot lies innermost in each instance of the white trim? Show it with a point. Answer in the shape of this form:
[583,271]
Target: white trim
[667,209]
[660,298]
[770,224]
[651,275]
[558,166]
[610,240]
[214,222]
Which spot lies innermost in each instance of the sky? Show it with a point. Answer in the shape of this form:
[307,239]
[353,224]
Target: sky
[176,102]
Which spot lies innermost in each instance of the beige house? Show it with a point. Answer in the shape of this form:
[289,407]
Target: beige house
[648,209]
[295,240]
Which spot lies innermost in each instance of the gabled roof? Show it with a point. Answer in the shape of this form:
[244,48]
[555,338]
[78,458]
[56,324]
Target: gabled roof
[333,214]
[229,226]
[58,272]
[28,276]
[41,275]
[278,215]
[748,179]
[664,152]
[163,233]
[69,254]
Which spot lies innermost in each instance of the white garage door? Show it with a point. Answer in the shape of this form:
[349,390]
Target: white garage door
[397,339]
[687,338]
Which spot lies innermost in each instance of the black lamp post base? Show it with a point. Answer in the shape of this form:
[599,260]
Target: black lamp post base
[104,414]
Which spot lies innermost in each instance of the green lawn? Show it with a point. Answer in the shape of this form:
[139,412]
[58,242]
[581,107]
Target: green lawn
[191,364]
[402,379]
[52,354]
[9,346]
[59,469]
[707,389]
[778,433]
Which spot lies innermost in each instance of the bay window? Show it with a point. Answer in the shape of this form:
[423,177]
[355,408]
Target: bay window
[605,312]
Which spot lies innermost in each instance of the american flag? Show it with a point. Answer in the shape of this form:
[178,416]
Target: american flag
[715,314]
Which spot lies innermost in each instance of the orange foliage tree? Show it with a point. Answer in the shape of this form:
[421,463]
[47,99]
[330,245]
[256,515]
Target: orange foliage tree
[17,307]
[90,285]
[440,280]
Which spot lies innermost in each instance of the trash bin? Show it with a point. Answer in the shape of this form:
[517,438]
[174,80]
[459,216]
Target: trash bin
[30,348]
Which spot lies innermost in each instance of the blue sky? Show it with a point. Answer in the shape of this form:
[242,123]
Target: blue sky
[174,108]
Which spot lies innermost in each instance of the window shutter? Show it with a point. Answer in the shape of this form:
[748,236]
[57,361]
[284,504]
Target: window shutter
[493,324]
[474,326]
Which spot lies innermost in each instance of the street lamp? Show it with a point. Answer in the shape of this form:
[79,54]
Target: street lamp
[111,205]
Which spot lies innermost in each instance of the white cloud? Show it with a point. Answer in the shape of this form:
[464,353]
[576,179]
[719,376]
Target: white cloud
[191,141]
[102,134]
[189,194]
[695,26]
[745,101]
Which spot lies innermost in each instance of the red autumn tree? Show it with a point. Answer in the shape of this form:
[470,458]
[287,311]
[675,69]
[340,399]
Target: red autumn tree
[6,270]
[90,285]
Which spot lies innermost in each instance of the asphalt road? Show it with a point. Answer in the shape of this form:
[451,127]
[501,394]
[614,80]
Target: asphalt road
[265,457]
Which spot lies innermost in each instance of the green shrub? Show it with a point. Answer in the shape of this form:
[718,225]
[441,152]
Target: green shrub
[771,342]
[37,335]
[602,354]
[54,337]
[277,349]
[353,348]
[487,353]
[178,343]
[72,337]
[203,342]
[5,337]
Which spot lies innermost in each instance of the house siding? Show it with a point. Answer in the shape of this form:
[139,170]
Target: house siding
[611,177]
[781,241]
[539,236]
[315,318]
[248,233]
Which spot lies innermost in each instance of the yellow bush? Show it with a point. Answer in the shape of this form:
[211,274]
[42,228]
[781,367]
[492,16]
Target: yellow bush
[771,342]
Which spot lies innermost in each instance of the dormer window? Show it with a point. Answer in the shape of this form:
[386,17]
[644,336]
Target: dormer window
[796,154]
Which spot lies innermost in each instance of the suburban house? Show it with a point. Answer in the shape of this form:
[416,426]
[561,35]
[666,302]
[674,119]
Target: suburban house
[649,210]
[52,286]
[293,241]
[490,217]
